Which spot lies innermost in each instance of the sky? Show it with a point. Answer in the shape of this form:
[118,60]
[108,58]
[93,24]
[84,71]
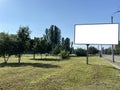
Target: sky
[41,14]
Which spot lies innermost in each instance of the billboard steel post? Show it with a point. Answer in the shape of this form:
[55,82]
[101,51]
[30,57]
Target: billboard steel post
[113,53]
[87,54]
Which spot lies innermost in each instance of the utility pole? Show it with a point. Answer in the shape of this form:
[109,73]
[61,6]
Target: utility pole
[112,45]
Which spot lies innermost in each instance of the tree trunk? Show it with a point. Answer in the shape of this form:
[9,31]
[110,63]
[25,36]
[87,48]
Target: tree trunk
[7,58]
[34,55]
[5,61]
[19,58]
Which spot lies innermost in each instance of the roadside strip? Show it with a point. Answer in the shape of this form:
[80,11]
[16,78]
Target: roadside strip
[115,64]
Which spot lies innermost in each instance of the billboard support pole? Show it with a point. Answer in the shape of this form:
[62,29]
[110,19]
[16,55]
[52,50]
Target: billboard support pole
[112,45]
[113,53]
[87,54]
[101,51]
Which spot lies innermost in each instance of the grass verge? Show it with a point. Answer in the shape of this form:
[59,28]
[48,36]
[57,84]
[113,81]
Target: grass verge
[72,74]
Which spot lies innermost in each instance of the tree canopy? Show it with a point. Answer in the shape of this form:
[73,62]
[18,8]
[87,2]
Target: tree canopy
[21,42]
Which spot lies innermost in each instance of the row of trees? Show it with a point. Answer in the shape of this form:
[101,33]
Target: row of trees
[51,43]
[116,50]
[107,50]
[11,44]
[17,44]
[82,52]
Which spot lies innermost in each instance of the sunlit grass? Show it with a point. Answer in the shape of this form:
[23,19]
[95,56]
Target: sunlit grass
[72,74]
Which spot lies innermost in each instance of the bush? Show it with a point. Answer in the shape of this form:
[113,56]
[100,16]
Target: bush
[64,54]
[80,52]
[56,50]
[93,50]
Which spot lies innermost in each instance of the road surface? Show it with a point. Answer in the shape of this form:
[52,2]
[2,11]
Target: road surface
[116,57]
[108,58]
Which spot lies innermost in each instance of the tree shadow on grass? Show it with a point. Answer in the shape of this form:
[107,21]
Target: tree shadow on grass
[50,59]
[46,59]
[41,65]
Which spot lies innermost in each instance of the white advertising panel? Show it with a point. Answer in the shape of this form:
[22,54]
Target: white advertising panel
[96,34]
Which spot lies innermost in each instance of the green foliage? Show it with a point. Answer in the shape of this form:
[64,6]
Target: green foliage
[93,50]
[23,36]
[36,43]
[71,48]
[107,50]
[64,54]
[117,49]
[80,52]
[53,37]
[40,45]
[56,50]
[65,44]
[6,46]
[21,43]
[23,33]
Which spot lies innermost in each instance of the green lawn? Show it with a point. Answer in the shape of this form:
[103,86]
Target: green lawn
[51,74]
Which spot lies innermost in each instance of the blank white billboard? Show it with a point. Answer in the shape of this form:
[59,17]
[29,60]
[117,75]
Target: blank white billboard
[96,34]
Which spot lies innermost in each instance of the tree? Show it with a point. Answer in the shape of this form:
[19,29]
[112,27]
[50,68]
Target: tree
[56,50]
[92,50]
[117,49]
[42,46]
[63,44]
[6,46]
[53,37]
[80,52]
[71,48]
[23,36]
[65,48]
[30,45]
[67,44]
[35,46]
[107,50]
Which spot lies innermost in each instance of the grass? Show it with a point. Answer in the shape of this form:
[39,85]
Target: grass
[72,74]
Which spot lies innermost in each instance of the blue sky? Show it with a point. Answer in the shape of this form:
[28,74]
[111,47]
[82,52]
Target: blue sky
[40,14]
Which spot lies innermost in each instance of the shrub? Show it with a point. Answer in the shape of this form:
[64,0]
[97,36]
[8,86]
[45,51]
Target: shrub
[93,50]
[80,52]
[64,54]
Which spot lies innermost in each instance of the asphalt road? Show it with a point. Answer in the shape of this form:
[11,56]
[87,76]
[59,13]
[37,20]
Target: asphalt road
[108,58]
[116,57]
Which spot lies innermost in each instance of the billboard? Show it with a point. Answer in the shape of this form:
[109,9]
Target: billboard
[96,34]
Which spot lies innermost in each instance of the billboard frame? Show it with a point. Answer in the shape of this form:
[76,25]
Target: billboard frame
[95,24]
[87,44]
